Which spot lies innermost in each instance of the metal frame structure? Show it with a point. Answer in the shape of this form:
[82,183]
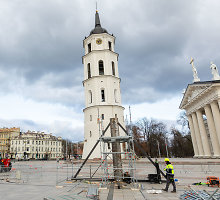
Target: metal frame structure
[106,153]
[128,155]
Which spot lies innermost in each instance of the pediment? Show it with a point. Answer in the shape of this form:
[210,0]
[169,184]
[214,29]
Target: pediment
[192,92]
[195,93]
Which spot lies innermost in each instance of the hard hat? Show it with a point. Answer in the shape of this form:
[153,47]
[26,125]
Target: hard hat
[166,159]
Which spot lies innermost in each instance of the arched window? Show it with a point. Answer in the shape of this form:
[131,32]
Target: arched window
[113,68]
[89,70]
[109,45]
[89,48]
[90,96]
[102,95]
[115,95]
[101,67]
[90,133]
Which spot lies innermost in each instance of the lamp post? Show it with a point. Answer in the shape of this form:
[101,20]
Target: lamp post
[25,149]
[167,148]
[72,149]
[77,149]
[37,145]
[16,149]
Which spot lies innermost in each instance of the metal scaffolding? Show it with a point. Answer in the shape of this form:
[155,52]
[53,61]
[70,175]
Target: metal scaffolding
[115,148]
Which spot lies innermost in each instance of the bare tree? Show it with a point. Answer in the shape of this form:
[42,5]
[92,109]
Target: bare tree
[183,121]
[150,133]
[181,145]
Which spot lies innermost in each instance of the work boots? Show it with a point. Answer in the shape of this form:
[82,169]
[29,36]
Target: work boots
[174,191]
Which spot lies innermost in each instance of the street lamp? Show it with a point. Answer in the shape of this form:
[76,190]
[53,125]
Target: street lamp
[66,149]
[37,146]
[16,148]
[72,149]
[25,149]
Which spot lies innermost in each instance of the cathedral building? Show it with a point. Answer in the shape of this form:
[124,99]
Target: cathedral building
[201,101]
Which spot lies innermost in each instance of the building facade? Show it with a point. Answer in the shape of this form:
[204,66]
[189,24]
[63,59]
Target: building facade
[35,145]
[201,101]
[5,137]
[101,85]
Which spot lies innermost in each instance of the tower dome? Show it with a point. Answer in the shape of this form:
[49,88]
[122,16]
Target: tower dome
[98,28]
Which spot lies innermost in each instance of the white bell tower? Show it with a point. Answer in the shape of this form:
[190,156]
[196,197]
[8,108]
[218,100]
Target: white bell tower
[102,86]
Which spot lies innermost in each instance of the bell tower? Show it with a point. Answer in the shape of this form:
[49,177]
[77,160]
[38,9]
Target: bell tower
[101,85]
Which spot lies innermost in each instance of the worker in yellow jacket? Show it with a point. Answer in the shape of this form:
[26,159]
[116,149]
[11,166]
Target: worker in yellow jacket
[169,175]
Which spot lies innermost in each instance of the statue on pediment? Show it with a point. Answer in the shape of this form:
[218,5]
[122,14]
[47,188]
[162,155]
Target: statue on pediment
[215,73]
[195,74]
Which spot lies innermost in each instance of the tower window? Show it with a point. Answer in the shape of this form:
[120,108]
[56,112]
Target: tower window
[113,68]
[90,117]
[90,96]
[110,46]
[89,71]
[101,68]
[90,133]
[103,95]
[103,116]
[89,48]
[115,95]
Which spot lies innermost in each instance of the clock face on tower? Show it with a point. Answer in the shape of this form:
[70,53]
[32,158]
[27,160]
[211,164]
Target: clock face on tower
[99,41]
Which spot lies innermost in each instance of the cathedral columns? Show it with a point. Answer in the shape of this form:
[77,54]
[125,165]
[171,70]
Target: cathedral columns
[197,133]
[212,131]
[202,145]
[203,134]
[216,116]
[201,101]
[193,136]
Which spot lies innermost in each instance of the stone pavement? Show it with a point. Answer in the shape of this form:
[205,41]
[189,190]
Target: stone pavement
[48,179]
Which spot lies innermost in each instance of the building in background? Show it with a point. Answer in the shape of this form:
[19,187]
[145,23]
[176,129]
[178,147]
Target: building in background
[5,136]
[101,85]
[35,145]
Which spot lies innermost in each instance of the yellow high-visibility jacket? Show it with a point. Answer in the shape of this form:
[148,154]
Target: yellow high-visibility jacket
[169,169]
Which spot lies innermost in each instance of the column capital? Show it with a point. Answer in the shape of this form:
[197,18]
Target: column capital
[214,102]
[206,106]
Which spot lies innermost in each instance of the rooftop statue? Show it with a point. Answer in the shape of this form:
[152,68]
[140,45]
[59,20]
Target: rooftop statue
[195,75]
[214,72]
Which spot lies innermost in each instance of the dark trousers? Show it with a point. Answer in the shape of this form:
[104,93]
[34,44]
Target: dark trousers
[170,179]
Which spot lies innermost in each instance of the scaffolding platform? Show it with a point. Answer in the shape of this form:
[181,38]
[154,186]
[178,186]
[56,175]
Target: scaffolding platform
[120,139]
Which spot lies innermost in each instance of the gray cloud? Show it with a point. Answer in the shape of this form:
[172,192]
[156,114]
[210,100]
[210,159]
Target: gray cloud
[41,46]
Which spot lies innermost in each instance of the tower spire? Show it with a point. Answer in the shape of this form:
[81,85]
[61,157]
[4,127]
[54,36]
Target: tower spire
[97,20]
[98,28]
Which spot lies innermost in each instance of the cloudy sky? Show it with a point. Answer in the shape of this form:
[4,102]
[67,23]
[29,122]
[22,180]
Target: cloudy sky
[41,69]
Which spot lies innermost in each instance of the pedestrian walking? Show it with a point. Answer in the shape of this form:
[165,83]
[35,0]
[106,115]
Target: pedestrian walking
[169,175]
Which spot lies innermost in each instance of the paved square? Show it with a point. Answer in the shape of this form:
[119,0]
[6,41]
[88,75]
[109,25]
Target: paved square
[48,180]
